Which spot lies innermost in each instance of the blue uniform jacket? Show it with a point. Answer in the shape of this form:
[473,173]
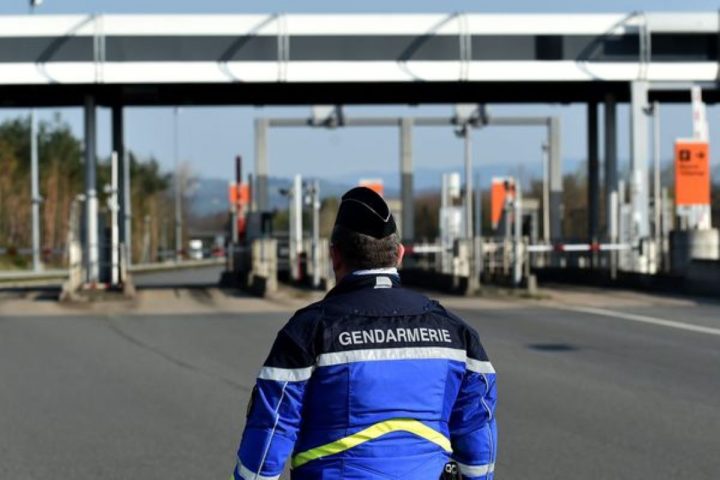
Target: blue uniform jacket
[373,382]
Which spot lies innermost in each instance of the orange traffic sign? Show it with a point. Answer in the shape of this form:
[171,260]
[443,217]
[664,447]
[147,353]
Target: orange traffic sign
[502,189]
[374,184]
[692,172]
[239,194]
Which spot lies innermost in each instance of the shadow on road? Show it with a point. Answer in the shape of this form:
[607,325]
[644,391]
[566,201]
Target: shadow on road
[36,293]
[552,347]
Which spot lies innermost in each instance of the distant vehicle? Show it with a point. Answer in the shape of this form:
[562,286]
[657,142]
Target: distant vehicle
[196,249]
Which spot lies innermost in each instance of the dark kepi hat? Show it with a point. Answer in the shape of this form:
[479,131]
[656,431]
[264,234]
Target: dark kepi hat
[364,211]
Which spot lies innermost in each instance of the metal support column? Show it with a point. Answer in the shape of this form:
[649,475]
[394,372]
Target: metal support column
[517,255]
[611,176]
[556,180]
[118,146]
[315,195]
[296,227]
[640,225]
[406,180]
[657,210]
[91,213]
[262,194]
[35,193]
[477,241]
[593,201]
[546,193]
[127,205]
[35,181]
[467,131]
[114,220]
[179,189]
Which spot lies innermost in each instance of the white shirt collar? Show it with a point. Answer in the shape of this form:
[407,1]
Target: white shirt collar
[377,271]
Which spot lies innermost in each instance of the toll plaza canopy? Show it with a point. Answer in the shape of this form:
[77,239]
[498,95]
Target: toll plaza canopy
[301,59]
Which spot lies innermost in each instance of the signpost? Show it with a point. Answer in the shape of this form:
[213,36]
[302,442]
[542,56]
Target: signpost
[692,183]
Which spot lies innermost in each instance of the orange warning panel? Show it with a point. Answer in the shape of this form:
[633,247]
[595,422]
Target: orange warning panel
[373,184]
[500,190]
[692,172]
[239,196]
[244,196]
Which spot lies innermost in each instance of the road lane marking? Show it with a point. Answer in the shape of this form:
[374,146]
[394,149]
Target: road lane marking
[643,319]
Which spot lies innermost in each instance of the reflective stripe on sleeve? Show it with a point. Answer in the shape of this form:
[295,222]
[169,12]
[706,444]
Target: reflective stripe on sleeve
[371,433]
[285,374]
[476,470]
[247,474]
[375,354]
[479,366]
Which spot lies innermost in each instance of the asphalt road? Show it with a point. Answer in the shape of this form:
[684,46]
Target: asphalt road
[582,395]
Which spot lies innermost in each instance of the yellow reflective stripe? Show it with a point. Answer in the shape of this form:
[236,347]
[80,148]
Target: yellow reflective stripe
[371,433]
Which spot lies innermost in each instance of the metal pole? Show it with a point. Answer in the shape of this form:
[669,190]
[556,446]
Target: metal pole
[613,223]
[546,192]
[36,198]
[234,237]
[91,244]
[621,231]
[115,234]
[316,233]
[638,161]
[477,242]
[666,224]
[178,190]
[35,182]
[262,194]
[656,187]
[118,145]
[406,180]
[468,182]
[517,241]
[127,206]
[611,177]
[444,203]
[235,208]
[593,193]
[469,231]
[478,206]
[593,171]
[251,194]
[556,180]
[296,233]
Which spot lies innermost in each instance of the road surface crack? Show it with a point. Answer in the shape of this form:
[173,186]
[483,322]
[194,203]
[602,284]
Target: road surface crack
[174,360]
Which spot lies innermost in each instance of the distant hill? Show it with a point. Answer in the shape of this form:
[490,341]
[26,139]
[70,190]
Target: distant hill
[209,195]
[430,179]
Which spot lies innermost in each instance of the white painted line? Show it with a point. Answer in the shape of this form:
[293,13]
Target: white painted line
[643,319]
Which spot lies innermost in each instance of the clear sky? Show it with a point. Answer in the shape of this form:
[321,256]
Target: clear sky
[211,137]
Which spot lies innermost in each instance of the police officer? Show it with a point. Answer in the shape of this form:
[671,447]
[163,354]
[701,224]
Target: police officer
[374,381]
